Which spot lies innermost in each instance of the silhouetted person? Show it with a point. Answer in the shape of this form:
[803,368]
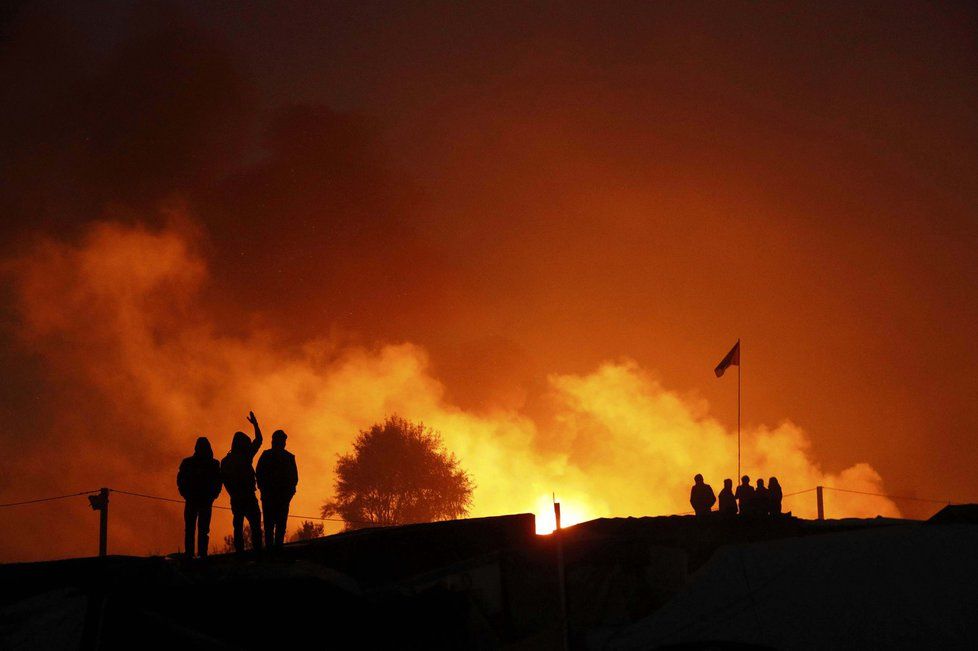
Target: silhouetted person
[277,478]
[701,497]
[239,480]
[728,503]
[774,496]
[199,483]
[761,506]
[745,496]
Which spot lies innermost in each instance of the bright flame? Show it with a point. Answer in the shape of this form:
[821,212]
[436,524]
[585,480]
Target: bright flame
[570,513]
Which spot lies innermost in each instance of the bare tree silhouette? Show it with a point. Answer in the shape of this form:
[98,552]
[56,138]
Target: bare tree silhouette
[228,547]
[399,473]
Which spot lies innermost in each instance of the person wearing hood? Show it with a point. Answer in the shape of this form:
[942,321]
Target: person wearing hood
[238,475]
[277,478]
[199,483]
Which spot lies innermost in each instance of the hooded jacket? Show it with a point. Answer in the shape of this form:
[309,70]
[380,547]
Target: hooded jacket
[199,477]
[236,469]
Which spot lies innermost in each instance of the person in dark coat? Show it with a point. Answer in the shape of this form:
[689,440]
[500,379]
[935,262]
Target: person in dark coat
[277,478]
[199,483]
[774,496]
[761,506]
[239,481]
[745,496]
[701,497]
[728,503]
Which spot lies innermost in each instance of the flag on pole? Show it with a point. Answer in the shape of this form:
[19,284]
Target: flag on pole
[732,359]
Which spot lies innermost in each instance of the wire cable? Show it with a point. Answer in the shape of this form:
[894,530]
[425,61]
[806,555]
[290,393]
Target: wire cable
[228,508]
[149,497]
[892,497]
[48,499]
[807,490]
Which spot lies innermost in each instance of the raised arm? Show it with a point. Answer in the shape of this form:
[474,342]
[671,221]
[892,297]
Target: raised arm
[256,443]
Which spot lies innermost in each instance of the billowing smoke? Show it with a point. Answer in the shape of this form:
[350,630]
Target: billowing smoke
[139,366]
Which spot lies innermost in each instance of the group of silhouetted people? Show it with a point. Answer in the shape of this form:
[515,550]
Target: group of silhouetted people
[748,501]
[201,477]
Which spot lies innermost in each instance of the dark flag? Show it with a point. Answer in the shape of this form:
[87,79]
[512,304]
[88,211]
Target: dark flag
[732,359]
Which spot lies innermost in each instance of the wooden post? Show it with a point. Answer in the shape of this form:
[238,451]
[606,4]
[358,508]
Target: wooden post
[821,503]
[561,578]
[103,524]
[100,503]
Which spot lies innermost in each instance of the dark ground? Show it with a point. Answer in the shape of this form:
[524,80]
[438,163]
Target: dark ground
[478,583]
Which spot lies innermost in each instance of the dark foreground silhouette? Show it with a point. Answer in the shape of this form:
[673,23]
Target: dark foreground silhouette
[745,496]
[200,478]
[753,502]
[492,583]
[238,475]
[728,503]
[199,483]
[701,497]
[277,477]
[774,496]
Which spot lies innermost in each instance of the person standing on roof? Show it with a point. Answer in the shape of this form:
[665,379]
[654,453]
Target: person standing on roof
[277,478]
[239,480]
[774,496]
[199,483]
[701,497]
[728,503]
[761,506]
[745,496]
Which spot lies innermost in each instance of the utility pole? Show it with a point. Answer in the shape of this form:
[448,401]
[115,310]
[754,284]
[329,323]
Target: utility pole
[561,578]
[100,503]
[821,504]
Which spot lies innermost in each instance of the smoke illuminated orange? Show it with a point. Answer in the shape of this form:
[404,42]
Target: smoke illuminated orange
[120,311]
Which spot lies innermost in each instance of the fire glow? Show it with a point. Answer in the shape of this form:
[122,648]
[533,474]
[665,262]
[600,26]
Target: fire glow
[570,514]
[119,312]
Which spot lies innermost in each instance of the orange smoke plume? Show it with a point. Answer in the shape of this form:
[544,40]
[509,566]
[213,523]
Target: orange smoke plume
[121,315]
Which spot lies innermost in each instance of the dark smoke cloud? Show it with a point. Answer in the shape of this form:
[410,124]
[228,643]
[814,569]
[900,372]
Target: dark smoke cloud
[88,126]
[301,212]
[521,191]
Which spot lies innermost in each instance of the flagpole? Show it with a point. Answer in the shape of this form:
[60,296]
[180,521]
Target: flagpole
[740,365]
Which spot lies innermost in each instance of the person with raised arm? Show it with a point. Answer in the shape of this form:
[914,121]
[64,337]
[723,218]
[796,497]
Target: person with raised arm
[238,475]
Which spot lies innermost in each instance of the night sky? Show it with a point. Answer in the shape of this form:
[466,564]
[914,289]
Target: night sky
[536,226]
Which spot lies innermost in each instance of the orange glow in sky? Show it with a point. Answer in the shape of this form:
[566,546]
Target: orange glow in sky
[534,228]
